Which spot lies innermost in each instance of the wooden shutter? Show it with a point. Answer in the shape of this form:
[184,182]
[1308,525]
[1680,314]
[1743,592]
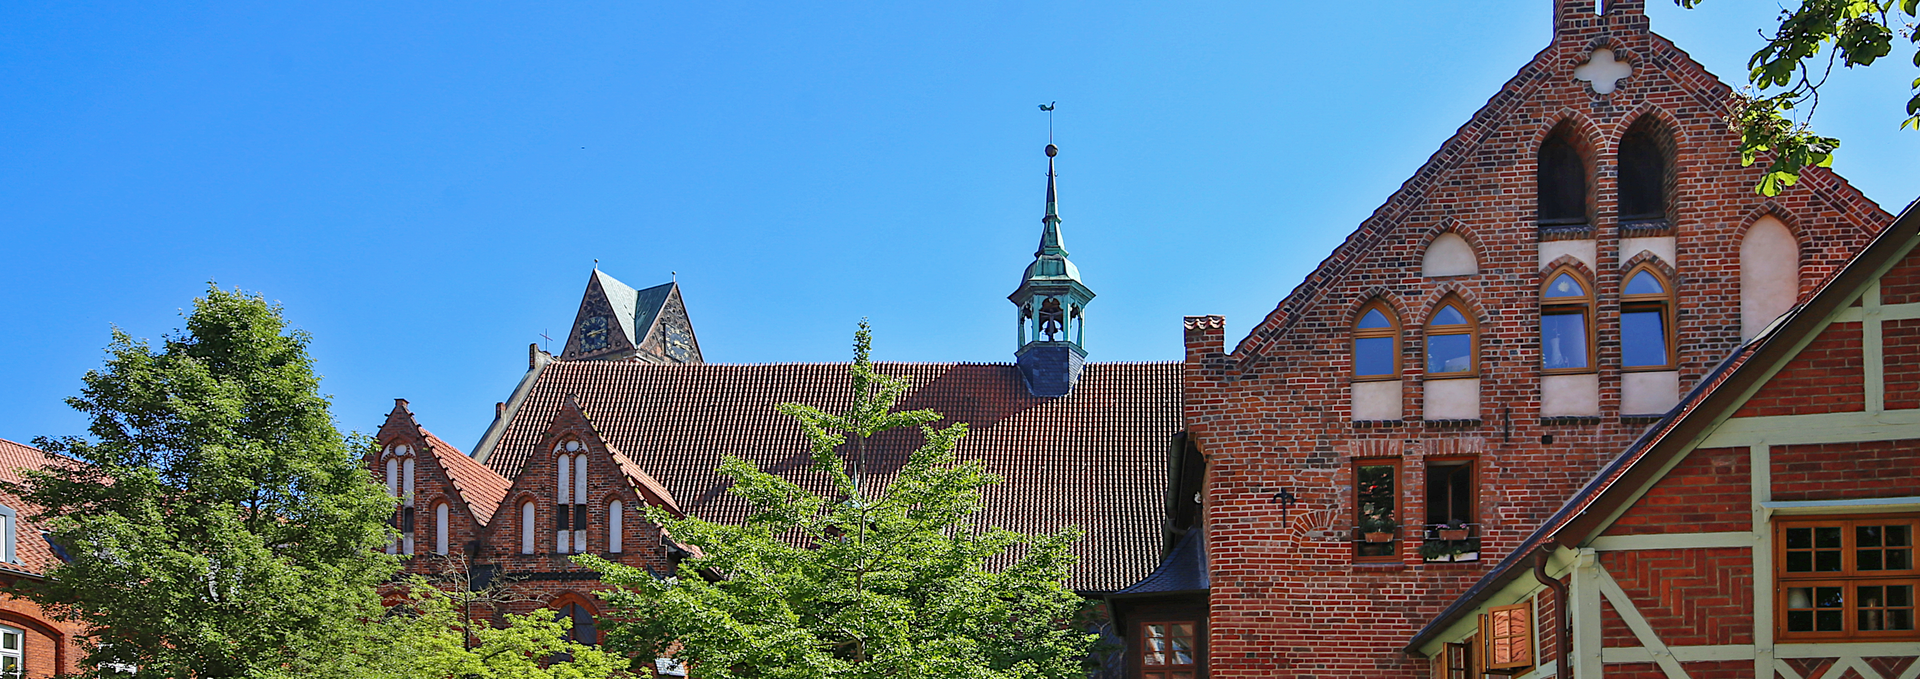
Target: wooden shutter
[1506,634]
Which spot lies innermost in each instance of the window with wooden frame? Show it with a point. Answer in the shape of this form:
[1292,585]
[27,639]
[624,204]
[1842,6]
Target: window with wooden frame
[1167,650]
[1376,516]
[1454,661]
[1376,343]
[1452,341]
[1566,323]
[1450,532]
[1646,321]
[1506,639]
[1849,578]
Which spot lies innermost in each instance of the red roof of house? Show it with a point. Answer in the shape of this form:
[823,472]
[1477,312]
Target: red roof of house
[481,488]
[35,555]
[1095,459]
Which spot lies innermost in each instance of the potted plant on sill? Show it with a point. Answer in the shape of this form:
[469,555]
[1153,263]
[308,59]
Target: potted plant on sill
[1442,550]
[1378,528]
[1453,531]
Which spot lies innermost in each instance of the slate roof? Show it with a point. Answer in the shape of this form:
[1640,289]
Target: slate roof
[479,487]
[33,551]
[1720,392]
[1184,570]
[1095,459]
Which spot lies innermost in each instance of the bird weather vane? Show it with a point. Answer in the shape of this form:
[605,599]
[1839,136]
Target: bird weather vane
[1048,107]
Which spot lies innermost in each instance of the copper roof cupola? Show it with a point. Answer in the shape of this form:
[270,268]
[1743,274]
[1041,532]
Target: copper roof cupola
[1052,303]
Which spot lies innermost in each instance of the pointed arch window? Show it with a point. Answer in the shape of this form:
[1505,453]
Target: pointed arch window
[1643,172]
[616,521]
[399,468]
[1452,341]
[584,630]
[526,527]
[440,528]
[1561,181]
[570,498]
[1646,321]
[1566,323]
[1376,343]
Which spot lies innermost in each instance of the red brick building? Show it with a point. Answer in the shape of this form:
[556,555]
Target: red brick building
[1764,529]
[31,642]
[1580,254]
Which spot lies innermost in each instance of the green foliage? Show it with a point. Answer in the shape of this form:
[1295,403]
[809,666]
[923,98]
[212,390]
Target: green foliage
[218,524]
[855,583]
[429,636]
[1853,33]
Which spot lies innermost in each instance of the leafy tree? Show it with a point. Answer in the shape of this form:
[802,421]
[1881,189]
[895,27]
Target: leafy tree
[860,583]
[431,635]
[1791,65]
[218,525]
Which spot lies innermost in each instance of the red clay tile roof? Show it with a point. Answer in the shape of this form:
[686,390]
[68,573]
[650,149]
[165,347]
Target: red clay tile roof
[481,488]
[1095,459]
[32,549]
[644,483]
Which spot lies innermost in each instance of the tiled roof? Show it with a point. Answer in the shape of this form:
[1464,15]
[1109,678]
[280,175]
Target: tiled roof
[1184,570]
[36,556]
[481,488]
[1095,459]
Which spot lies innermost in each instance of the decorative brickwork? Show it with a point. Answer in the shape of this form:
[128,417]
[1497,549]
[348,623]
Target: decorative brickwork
[1694,597]
[1288,600]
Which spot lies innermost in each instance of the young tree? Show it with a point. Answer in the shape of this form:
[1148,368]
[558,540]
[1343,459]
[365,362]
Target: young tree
[1853,33]
[431,635]
[217,524]
[863,583]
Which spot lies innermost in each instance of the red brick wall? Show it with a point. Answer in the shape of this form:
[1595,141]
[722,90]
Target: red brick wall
[1288,601]
[1691,597]
[1709,491]
[1901,285]
[1836,471]
[1900,358]
[1825,377]
[51,647]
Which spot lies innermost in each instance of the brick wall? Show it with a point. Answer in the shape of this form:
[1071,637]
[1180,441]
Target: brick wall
[1825,377]
[1709,491]
[1900,362]
[1287,598]
[50,646]
[1836,471]
[1690,597]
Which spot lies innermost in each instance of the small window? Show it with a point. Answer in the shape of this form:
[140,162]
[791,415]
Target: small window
[13,658]
[9,535]
[1566,309]
[1376,343]
[1450,342]
[1846,579]
[584,630]
[1455,662]
[616,521]
[440,528]
[526,528]
[1451,533]
[1643,174]
[1646,321]
[1506,634]
[1562,181]
[1167,650]
[1376,519]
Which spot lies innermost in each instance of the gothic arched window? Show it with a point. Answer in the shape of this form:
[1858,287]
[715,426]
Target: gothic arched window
[440,528]
[1451,336]
[399,463]
[1643,171]
[1566,322]
[526,527]
[570,499]
[1561,187]
[1769,274]
[584,630]
[1646,321]
[616,525]
[1376,343]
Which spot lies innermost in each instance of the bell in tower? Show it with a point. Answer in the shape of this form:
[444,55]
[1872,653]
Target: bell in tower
[1052,306]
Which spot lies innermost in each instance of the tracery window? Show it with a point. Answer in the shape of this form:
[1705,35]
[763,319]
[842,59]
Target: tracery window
[1646,321]
[1451,340]
[1376,343]
[1846,578]
[1566,328]
[570,513]
[399,463]
[1167,650]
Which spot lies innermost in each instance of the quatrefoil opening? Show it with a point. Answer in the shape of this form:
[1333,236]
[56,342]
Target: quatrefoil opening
[1602,72]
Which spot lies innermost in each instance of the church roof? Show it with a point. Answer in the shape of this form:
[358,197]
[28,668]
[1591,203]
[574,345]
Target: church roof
[478,486]
[1096,458]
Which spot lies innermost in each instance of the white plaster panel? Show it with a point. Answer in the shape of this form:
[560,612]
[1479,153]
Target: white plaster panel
[1660,246]
[1451,399]
[1649,393]
[1769,274]
[1570,395]
[1376,400]
[1449,255]
[1583,250]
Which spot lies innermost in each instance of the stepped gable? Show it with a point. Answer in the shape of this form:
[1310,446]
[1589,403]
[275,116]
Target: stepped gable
[1426,198]
[1095,458]
[35,554]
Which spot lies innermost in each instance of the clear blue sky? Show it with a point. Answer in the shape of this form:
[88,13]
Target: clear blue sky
[425,186]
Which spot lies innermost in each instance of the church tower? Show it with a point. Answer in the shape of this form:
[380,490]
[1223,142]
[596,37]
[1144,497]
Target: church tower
[1052,302]
[619,323]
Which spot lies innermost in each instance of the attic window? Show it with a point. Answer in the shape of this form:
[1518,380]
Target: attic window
[9,534]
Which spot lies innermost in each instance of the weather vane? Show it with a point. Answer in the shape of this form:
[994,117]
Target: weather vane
[1048,107]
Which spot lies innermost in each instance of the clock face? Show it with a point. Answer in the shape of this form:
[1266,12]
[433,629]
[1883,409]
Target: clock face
[679,342]
[593,334]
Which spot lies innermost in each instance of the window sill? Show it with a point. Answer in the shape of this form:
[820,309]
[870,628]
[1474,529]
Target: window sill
[1648,368]
[1569,420]
[1378,424]
[1577,231]
[1645,227]
[1449,376]
[1452,424]
[1640,419]
[1556,372]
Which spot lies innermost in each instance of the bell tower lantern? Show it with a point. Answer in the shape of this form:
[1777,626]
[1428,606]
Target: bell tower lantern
[1052,308]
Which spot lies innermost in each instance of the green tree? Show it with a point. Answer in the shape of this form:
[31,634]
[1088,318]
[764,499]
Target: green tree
[859,583]
[217,524]
[431,635]
[1788,71]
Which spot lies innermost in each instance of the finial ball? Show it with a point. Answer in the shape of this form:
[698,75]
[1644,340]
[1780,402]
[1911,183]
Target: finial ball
[1052,150]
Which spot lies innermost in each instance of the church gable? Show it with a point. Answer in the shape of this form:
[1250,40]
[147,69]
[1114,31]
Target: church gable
[445,497]
[618,323]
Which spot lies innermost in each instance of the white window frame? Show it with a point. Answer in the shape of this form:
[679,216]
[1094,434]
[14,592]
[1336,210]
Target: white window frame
[9,534]
[18,654]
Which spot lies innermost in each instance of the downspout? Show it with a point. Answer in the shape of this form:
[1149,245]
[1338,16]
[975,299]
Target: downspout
[1563,635]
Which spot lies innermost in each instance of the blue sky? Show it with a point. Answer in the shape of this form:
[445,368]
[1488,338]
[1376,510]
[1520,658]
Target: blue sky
[425,186]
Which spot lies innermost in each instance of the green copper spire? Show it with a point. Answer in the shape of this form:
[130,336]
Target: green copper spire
[1052,303]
